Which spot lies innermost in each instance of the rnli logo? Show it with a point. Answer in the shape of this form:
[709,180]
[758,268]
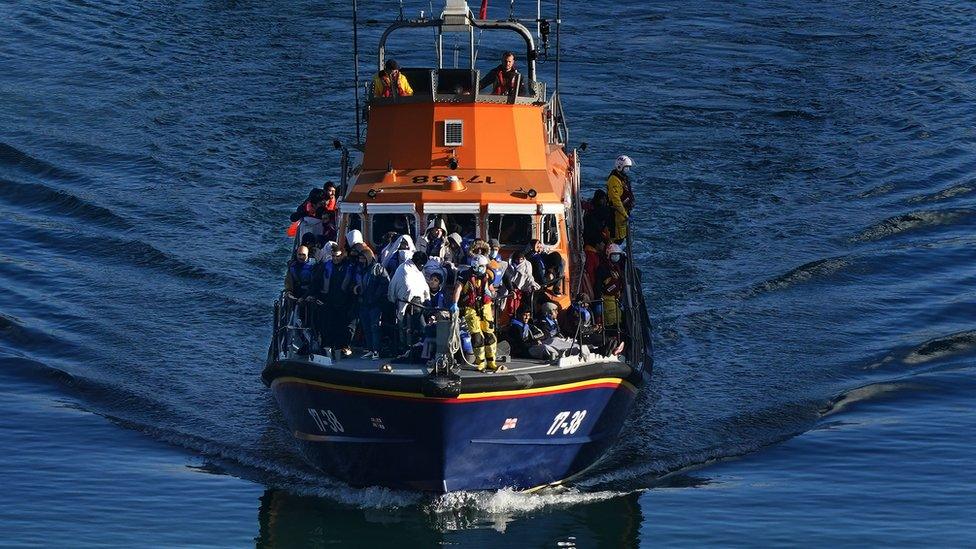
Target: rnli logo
[377,423]
[510,423]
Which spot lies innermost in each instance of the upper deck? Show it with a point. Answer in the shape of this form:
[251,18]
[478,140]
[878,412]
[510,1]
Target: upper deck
[503,147]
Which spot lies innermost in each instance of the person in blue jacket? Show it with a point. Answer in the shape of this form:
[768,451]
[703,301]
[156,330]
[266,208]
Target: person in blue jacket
[372,286]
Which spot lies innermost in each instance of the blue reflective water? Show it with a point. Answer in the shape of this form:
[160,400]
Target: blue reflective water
[808,230]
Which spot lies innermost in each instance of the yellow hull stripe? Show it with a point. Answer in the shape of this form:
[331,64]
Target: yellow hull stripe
[466,396]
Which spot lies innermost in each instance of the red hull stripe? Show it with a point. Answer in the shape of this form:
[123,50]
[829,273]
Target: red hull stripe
[603,383]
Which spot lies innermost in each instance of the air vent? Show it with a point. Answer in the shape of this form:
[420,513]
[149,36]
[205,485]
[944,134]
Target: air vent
[453,133]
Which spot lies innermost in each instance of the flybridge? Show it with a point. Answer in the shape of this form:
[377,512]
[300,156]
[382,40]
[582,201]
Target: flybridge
[446,84]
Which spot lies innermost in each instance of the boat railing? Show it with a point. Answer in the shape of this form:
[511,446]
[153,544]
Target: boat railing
[455,86]
[637,319]
[293,331]
[557,131]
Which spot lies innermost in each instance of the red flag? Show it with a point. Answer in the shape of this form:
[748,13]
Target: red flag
[483,14]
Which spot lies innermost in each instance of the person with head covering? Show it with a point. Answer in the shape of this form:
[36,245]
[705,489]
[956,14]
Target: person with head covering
[494,249]
[549,321]
[609,287]
[433,239]
[547,267]
[525,338]
[390,256]
[452,251]
[621,196]
[354,240]
[408,288]
[372,289]
[310,241]
[473,300]
[338,322]
[309,208]
[390,82]
[519,282]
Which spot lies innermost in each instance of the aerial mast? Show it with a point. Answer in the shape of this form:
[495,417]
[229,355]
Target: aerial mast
[355,64]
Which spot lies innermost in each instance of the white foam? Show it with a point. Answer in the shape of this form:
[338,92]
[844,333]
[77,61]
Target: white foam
[462,510]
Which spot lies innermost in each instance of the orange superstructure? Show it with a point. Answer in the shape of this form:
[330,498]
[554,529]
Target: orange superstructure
[515,182]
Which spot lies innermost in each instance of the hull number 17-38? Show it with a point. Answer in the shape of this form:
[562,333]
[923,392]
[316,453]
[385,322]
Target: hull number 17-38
[566,422]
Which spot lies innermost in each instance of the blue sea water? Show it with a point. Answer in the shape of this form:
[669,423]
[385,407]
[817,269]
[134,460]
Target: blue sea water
[808,234]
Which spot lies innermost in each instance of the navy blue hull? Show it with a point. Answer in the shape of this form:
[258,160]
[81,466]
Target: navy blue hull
[480,441]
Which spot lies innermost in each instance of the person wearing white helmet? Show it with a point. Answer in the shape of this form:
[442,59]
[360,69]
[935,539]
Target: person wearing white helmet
[609,285]
[472,299]
[621,196]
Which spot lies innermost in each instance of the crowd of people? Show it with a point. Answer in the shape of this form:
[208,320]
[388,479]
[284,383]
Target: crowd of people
[389,301]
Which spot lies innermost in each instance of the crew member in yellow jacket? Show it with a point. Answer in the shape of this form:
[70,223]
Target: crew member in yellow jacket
[621,197]
[383,82]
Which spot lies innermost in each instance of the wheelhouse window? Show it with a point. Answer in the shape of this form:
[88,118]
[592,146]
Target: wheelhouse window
[352,221]
[465,225]
[550,230]
[399,223]
[510,229]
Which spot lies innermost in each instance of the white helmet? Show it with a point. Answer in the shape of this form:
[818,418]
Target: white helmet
[614,249]
[480,264]
[479,260]
[623,161]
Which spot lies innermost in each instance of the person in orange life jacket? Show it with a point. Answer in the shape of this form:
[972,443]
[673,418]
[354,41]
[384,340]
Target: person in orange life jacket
[609,286]
[502,78]
[308,208]
[621,196]
[389,82]
[338,322]
[331,202]
[473,295]
[525,338]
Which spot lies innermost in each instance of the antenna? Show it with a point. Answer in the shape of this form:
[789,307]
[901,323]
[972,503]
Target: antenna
[559,22]
[355,62]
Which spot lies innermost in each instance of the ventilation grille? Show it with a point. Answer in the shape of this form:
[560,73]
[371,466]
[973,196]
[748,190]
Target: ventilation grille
[453,133]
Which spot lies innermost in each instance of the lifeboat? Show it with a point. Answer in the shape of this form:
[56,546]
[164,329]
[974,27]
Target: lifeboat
[491,166]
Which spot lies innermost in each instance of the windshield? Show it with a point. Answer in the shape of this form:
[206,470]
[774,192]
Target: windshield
[398,223]
[510,229]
